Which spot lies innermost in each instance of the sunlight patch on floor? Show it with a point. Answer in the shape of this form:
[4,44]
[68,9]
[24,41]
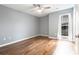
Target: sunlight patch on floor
[64,48]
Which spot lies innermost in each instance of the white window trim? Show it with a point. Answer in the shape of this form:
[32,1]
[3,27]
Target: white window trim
[70,27]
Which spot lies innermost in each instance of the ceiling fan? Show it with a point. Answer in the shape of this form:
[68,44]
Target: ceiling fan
[40,7]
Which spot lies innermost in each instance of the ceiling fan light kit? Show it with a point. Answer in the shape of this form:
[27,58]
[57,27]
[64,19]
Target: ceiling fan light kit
[39,8]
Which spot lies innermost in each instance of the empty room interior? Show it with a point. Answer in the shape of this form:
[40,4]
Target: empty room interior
[39,29]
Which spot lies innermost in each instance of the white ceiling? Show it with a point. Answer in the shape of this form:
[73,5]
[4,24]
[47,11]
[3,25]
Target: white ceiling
[27,8]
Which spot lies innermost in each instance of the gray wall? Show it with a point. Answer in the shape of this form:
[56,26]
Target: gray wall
[15,25]
[53,21]
[44,25]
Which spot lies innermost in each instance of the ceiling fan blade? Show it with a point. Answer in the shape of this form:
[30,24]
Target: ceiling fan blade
[47,7]
[36,5]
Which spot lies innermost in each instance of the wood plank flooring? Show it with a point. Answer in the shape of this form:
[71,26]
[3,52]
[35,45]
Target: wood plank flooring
[35,46]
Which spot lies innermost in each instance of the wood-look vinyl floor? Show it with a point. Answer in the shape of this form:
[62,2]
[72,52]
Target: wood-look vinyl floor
[34,46]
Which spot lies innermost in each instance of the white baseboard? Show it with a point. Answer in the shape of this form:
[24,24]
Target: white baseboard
[43,35]
[52,37]
[17,41]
